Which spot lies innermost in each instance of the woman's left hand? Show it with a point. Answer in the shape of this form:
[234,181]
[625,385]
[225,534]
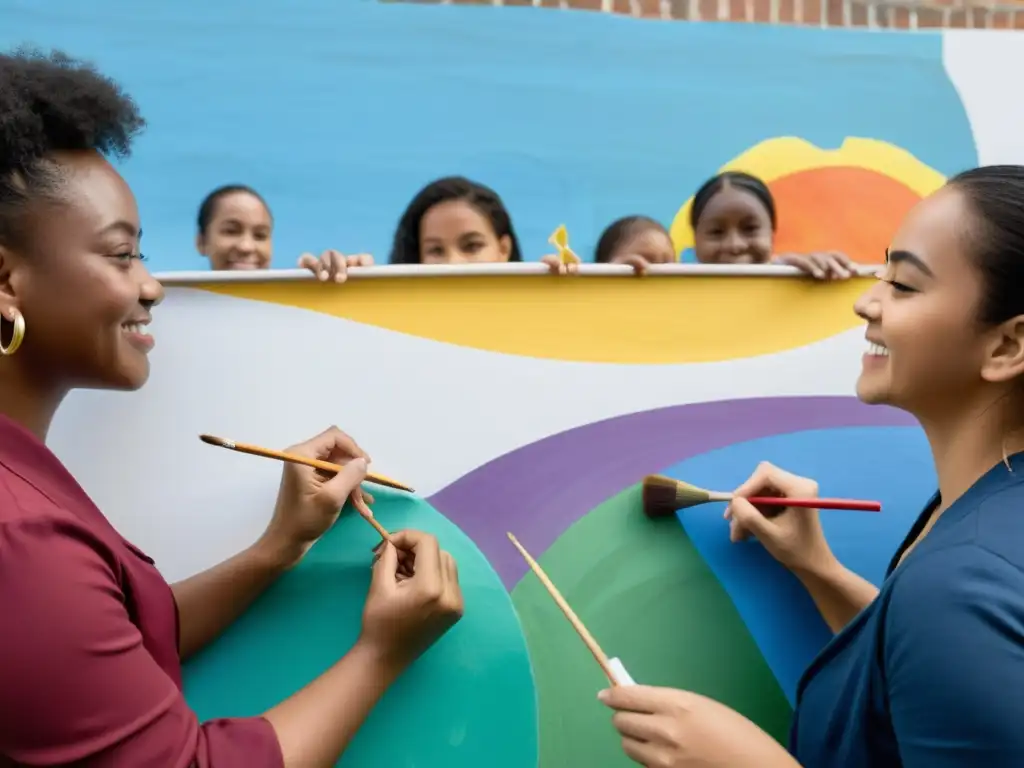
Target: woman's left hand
[820,266]
[333,265]
[309,502]
[669,728]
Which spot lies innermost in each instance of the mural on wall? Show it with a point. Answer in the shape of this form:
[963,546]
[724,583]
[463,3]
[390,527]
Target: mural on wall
[573,118]
[524,425]
[527,404]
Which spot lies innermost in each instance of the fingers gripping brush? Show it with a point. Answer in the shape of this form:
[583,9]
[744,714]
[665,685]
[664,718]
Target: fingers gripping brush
[663,496]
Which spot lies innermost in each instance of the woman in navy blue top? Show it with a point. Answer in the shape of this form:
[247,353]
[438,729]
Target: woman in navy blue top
[927,672]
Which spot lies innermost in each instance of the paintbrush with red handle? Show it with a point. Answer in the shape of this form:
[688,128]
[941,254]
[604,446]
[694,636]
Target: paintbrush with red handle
[664,496]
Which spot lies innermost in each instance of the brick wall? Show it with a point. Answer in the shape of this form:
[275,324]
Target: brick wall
[880,14]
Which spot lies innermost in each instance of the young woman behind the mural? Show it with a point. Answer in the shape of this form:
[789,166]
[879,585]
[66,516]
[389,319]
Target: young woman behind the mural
[93,637]
[637,241]
[928,671]
[455,221]
[235,230]
[734,221]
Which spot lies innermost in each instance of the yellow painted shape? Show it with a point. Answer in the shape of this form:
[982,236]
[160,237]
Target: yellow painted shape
[560,239]
[685,319]
[775,158]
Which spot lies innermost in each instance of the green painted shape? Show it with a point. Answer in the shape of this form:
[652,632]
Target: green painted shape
[469,701]
[649,598]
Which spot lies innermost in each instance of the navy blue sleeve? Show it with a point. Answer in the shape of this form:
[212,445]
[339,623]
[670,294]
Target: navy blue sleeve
[954,660]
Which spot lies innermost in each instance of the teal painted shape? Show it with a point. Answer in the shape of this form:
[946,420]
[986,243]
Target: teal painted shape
[469,701]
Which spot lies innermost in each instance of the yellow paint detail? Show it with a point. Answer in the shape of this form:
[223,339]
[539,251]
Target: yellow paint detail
[776,158]
[630,320]
[560,240]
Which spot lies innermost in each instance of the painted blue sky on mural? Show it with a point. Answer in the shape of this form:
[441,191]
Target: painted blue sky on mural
[338,112]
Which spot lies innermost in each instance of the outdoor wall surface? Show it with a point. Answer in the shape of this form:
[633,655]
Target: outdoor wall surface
[338,112]
[531,404]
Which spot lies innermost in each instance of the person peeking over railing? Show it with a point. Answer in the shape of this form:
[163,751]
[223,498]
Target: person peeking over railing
[454,220]
[638,241]
[235,230]
[734,222]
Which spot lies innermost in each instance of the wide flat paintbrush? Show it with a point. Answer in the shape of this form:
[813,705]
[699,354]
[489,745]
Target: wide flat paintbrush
[663,496]
[323,466]
[612,667]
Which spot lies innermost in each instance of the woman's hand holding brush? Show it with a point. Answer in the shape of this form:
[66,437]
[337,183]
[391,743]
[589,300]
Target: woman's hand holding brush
[680,729]
[414,598]
[406,559]
[795,538]
[308,502]
[402,618]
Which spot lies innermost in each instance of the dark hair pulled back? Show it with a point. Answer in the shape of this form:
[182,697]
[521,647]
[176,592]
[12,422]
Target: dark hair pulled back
[737,180]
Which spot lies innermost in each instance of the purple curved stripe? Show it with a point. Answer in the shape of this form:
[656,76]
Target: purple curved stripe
[541,489]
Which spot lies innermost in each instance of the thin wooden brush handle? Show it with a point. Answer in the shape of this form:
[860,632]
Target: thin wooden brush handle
[853,504]
[376,526]
[326,466]
[570,614]
[294,458]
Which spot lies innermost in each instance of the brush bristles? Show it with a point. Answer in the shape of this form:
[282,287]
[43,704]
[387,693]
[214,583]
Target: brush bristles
[659,496]
[690,495]
[663,496]
[220,442]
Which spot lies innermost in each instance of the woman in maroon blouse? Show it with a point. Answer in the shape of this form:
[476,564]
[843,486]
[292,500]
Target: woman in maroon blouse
[92,637]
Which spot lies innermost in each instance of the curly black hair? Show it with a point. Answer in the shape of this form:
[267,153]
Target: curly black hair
[406,246]
[50,103]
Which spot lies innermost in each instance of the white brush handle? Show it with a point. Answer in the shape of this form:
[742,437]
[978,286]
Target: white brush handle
[621,675]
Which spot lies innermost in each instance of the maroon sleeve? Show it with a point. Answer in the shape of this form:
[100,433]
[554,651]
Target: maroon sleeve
[76,683]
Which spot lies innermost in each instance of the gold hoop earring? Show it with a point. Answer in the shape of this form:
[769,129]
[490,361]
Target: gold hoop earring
[16,337]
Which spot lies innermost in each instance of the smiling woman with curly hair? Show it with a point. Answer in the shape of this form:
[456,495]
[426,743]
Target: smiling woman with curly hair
[92,636]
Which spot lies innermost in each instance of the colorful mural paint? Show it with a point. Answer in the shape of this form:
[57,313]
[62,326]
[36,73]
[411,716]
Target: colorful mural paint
[510,430]
[339,112]
[530,404]
[525,316]
[481,692]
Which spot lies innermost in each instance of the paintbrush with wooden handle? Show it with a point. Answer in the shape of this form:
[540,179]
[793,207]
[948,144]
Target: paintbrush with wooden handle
[612,667]
[323,466]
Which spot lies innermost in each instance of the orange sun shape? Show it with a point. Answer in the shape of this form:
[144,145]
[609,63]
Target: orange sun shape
[851,199]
